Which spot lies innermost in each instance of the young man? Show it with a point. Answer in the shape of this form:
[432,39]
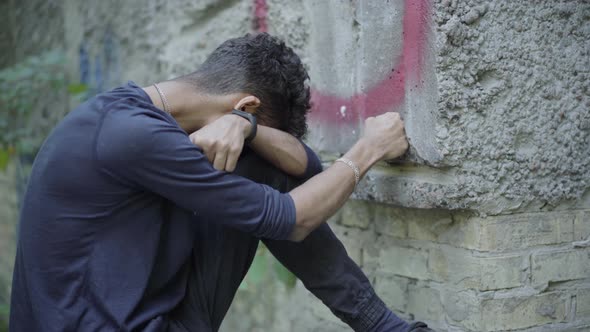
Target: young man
[130,224]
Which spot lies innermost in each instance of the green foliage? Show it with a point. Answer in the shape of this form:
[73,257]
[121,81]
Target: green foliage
[77,89]
[285,276]
[265,268]
[25,90]
[4,312]
[4,157]
[258,271]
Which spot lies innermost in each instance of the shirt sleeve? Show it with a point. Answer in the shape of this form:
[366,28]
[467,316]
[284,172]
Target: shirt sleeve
[157,156]
[314,165]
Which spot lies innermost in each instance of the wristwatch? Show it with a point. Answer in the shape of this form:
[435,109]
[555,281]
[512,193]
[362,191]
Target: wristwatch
[252,120]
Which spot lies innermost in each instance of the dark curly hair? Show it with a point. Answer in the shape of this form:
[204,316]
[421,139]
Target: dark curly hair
[261,65]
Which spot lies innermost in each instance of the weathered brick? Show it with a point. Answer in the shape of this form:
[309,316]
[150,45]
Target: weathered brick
[424,302]
[582,226]
[560,266]
[462,268]
[583,303]
[462,232]
[405,262]
[499,233]
[502,314]
[483,313]
[584,327]
[393,291]
[462,307]
[502,272]
[356,214]
[444,263]
[443,227]
[390,221]
[370,256]
[525,230]
[353,240]
[429,225]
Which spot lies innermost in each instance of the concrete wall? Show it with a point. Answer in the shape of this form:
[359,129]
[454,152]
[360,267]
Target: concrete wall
[495,96]
[484,225]
[8,216]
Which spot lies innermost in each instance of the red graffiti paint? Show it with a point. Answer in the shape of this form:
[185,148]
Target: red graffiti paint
[260,10]
[388,94]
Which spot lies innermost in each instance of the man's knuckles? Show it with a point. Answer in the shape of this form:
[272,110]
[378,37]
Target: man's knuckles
[235,149]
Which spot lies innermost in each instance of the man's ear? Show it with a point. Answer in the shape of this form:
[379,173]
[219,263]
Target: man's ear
[249,104]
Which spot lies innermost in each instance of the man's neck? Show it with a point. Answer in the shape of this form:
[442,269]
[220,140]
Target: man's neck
[191,108]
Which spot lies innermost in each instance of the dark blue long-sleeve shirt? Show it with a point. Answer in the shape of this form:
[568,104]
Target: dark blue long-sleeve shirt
[95,215]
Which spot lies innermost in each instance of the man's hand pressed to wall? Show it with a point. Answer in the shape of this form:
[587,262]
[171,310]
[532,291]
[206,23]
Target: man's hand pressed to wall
[386,135]
[319,198]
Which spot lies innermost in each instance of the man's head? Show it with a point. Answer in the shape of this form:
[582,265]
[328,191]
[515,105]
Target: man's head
[262,66]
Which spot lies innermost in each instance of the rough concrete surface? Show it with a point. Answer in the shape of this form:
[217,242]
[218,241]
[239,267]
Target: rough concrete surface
[367,58]
[146,41]
[496,106]
[513,106]
[514,100]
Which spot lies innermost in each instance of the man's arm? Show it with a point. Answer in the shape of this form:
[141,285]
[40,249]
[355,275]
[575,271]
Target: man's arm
[223,140]
[283,151]
[384,137]
[158,157]
[319,198]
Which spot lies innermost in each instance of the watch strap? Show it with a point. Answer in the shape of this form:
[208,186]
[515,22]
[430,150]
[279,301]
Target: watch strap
[253,123]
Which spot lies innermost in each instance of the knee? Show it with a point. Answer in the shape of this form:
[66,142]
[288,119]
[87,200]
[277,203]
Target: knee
[253,167]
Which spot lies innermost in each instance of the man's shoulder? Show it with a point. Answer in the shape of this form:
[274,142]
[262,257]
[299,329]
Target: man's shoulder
[131,130]
[127,111]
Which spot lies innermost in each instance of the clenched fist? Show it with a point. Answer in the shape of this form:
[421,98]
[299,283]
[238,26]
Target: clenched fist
[385,133]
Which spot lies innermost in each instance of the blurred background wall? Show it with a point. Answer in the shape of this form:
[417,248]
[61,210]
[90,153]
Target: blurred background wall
[485,223]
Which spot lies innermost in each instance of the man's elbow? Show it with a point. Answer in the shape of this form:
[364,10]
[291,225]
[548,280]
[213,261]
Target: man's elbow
[301,230]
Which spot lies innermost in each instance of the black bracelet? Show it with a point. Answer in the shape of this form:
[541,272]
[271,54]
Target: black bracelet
[253,123]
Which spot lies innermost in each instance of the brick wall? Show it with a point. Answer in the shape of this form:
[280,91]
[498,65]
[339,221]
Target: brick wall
[457,271]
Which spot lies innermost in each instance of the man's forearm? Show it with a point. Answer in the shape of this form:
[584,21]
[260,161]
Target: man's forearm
[281,149]
[317,199]
[320,197]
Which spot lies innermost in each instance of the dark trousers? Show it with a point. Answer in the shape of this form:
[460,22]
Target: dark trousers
[221,257]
